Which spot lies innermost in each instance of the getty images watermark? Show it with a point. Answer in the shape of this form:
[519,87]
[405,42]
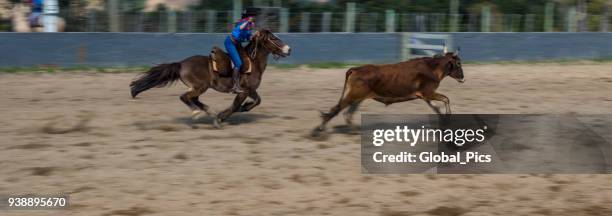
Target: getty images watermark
[473,143]
[411,136]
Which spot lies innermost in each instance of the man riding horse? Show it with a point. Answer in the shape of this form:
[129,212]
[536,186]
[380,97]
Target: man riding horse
[241,33]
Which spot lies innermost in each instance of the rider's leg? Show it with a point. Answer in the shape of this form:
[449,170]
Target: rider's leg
[233,53]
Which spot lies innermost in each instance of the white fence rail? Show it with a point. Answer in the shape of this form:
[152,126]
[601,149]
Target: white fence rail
[416,45]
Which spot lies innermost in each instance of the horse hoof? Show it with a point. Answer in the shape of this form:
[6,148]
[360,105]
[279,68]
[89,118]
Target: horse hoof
[211,113]
[196,114]
[217,123]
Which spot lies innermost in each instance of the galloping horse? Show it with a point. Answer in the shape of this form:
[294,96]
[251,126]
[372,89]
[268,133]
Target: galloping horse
[198,74]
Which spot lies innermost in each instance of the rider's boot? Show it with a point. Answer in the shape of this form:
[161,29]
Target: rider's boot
[236,79]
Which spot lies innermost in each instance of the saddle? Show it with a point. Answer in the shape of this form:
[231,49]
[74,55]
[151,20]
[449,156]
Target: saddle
[222,64]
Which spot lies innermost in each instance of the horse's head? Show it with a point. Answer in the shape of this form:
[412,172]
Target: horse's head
[271,43]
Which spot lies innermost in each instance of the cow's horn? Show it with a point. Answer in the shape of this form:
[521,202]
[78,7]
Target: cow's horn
[458,49]
[445,49]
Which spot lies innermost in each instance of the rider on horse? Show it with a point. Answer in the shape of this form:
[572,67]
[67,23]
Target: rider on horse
[241,33]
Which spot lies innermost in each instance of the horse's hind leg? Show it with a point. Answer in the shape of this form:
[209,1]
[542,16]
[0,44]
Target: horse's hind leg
[186,100]
[190,98]
[202,107]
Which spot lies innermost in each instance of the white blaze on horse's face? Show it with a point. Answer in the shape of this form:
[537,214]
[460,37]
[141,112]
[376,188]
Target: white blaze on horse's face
[286,50]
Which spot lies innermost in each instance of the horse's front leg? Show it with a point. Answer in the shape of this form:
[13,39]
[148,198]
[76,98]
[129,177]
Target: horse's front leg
[229,111]
[251,104]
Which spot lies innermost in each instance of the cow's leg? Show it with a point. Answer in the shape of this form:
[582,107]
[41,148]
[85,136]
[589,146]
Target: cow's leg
[355,95]
[348,115]
[440,97]
[250,105]
[229,111]
[433,107]
[332,113]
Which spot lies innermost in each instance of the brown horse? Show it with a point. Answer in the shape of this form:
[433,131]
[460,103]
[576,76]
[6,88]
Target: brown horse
[197,73]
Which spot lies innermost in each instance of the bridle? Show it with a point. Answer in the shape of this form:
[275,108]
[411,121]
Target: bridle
[273,42]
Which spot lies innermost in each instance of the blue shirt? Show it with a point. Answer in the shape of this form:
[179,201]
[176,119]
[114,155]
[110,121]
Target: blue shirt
[242,35]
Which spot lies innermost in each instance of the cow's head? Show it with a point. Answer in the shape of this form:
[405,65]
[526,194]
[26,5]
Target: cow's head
[453,67]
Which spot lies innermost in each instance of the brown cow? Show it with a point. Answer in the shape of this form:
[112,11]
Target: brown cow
[414,79]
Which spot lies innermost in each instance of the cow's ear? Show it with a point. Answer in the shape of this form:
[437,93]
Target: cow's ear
[448,67]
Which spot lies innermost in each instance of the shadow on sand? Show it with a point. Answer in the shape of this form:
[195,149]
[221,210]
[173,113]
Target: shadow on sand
[236,119]
[338,129]
[345,129]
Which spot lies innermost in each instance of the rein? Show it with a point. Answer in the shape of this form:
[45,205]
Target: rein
[254,52]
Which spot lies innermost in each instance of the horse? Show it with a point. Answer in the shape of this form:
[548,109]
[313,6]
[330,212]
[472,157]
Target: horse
[197,73]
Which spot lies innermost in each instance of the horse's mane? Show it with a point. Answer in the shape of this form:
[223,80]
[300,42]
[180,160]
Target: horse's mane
[264,34]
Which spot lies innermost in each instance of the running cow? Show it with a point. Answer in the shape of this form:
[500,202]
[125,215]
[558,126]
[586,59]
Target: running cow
[392,83]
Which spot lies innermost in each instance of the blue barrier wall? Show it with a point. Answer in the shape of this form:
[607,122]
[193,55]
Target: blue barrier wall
[137,49]
[533,46]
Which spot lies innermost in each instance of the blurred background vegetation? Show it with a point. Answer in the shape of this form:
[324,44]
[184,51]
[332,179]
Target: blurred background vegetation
[78,12]
[421,6]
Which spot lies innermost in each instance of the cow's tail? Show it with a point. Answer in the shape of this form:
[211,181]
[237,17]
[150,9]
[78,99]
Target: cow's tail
[158,76]
[325,115]
[348,73]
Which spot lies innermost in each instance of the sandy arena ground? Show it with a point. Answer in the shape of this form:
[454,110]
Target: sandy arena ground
[83,135]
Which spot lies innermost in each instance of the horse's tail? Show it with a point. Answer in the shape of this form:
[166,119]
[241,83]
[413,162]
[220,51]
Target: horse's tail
[158,76]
